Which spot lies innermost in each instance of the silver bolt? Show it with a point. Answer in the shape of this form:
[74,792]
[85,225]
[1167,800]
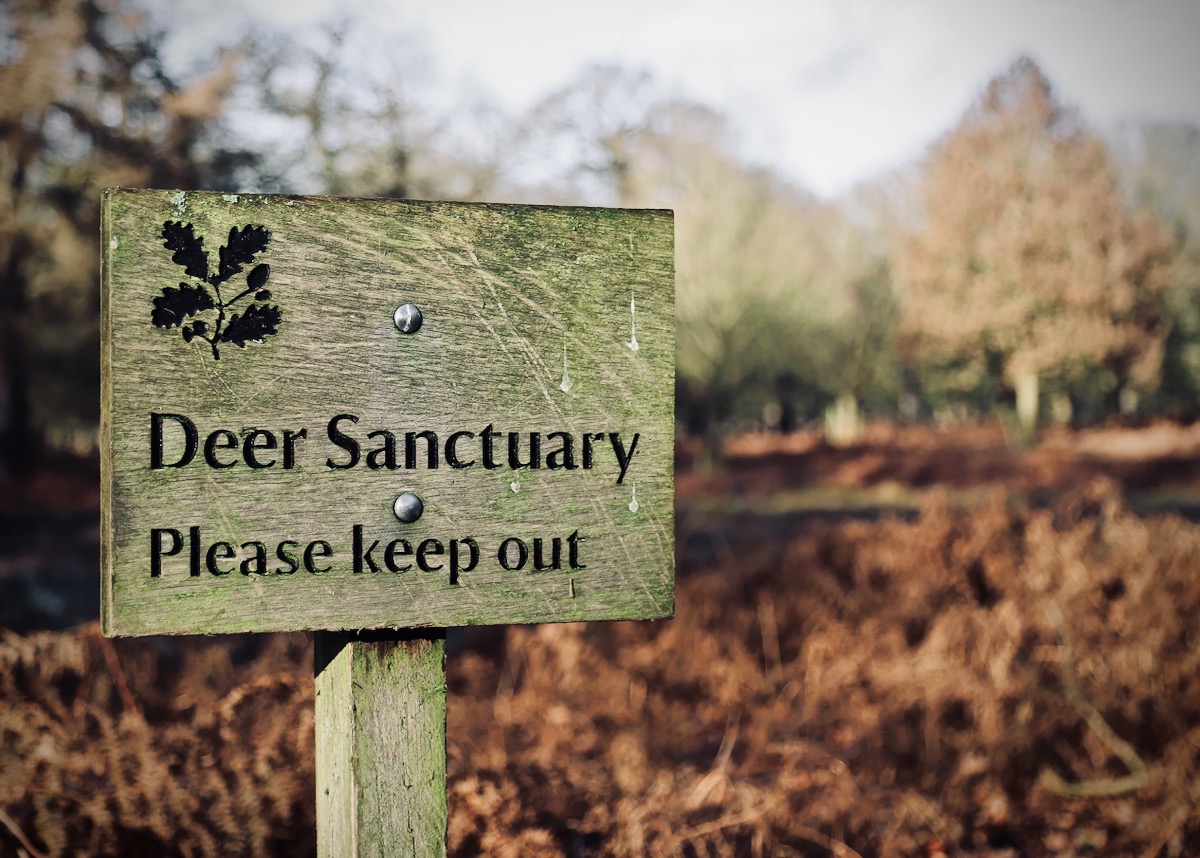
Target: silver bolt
[408,507]
[407,318]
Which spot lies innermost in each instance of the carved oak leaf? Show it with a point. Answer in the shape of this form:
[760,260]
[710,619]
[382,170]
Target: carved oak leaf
[258,322]
[175,305]
[188,249]
[240,250]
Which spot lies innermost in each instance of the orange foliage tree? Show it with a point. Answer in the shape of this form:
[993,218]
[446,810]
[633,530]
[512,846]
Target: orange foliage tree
[1028,265]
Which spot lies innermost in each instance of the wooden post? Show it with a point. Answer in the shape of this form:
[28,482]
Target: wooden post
[381,743]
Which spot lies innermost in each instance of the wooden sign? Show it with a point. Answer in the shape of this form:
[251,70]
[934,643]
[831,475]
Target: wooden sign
[365,414]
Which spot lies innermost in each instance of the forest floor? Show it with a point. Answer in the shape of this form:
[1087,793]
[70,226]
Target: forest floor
[929,643]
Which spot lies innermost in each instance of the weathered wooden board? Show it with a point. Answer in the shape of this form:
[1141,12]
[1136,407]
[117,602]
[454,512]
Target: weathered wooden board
[381,755]
[233,497]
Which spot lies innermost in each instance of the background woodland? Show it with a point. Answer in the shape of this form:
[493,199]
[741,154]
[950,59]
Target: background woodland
[938,479]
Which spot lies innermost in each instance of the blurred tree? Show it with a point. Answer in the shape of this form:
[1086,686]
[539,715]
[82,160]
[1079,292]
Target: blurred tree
[782,303]
[1160,165]
[1028,264]
[781,300]
[743,317]
[351,132]
[84,104]
[587,141]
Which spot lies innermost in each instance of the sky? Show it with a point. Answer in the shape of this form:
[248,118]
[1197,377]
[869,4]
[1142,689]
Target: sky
[828,92]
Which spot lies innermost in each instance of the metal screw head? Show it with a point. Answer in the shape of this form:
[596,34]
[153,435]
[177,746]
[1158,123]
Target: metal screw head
[407,318]
[408,507]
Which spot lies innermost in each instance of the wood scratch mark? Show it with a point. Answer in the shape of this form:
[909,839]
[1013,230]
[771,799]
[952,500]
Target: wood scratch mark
[565,386]
[633,343]
[616,379]
[526,348]
[216,379]
[499,339]
[221,511]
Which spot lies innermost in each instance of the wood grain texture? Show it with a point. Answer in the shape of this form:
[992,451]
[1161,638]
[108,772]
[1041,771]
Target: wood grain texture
[529,318]
[381,749]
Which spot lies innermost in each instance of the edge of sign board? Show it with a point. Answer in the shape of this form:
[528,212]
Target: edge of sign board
[106,442]
[498,206]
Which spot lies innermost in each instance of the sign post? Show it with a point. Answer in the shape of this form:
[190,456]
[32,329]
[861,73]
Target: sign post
[381,749]
[374,420]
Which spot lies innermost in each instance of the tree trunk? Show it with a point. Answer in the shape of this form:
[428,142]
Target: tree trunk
[17,448]
[1026,382]
[843,422]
